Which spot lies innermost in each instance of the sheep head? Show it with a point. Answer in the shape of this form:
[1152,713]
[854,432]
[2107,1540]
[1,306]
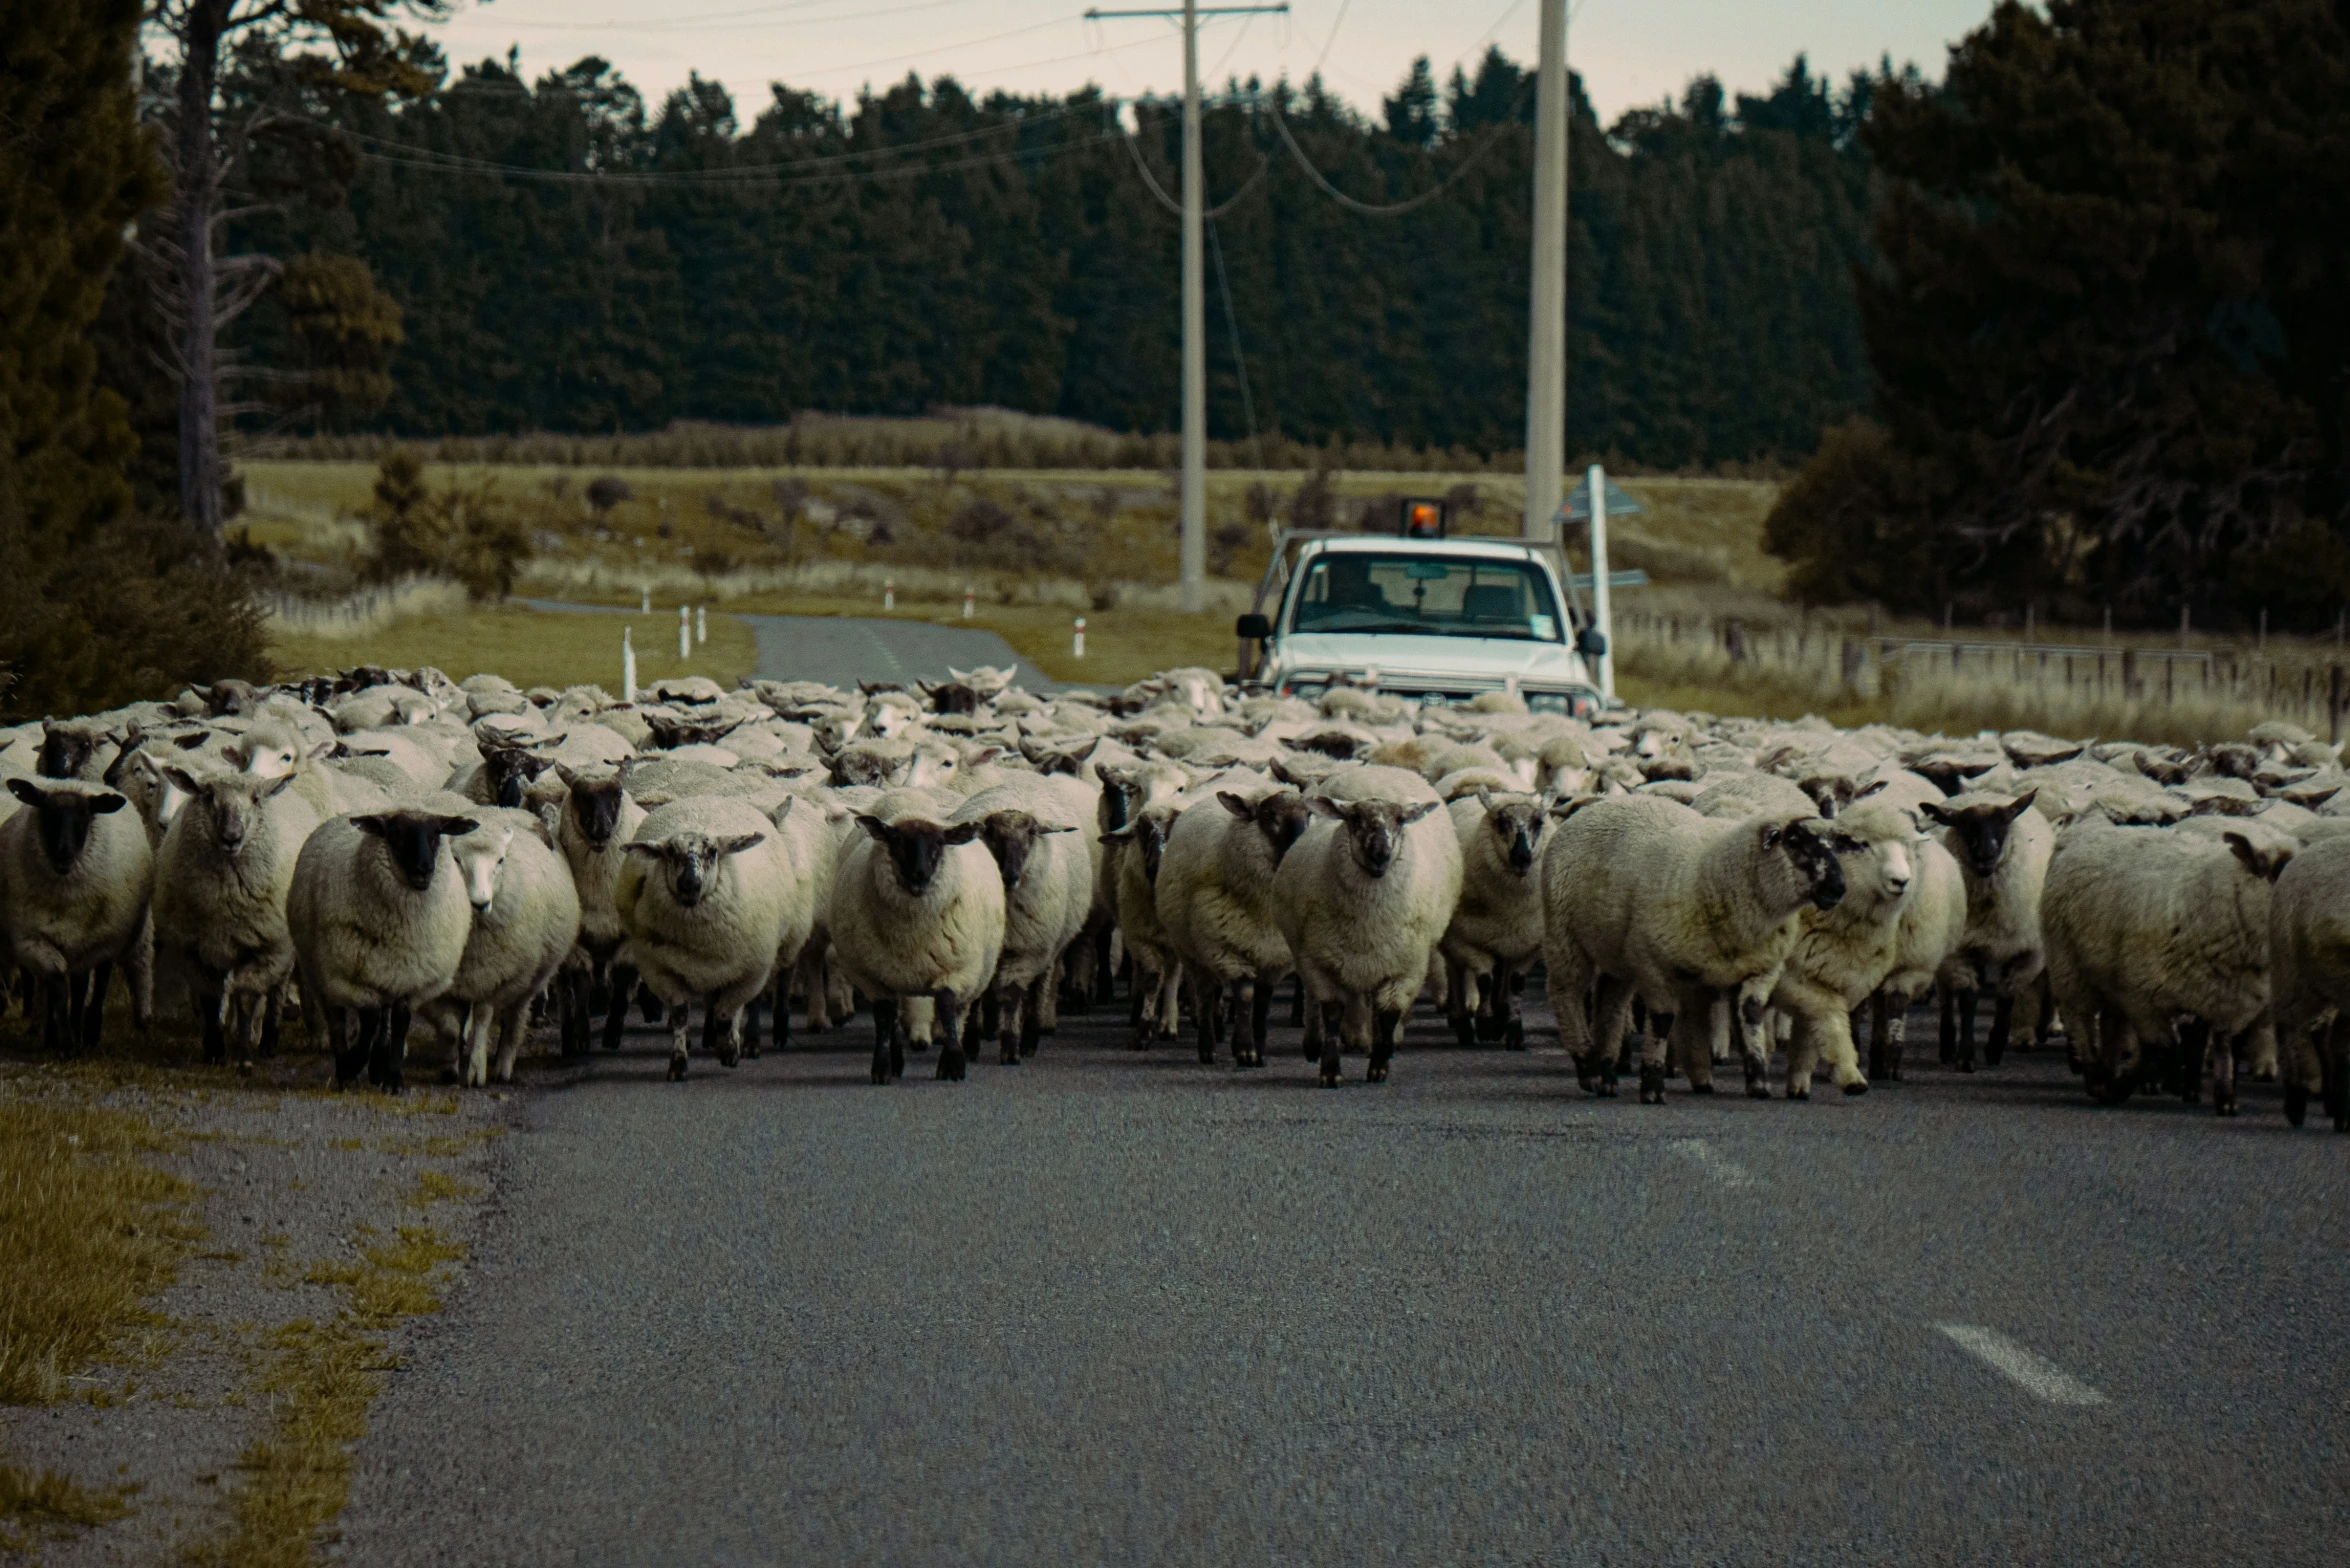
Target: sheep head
[65,817]
[65,748]
[1810,847]
[594,805]
[691,860]
[949,696]
[2265,857]
[413,840]
[481,860]
[511,770]
[1280,816]
[1373,828]
[1011,837]
[1979,828]
[233,800]
[1518,825]
[917,848]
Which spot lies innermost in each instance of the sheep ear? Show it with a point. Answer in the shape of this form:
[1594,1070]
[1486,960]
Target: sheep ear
[1412,814]
[1484,797]
[875,828]
[1870,790]
[181,779]
[107,803]
[1771,834]
[277,787]
[1935,809]
[369,824]
[649,851]
[1123,835]
[738,843]
[779,813]
[963,832]
[983,756]
[1240,807]
[191,742]
[320,752]
[455,827]
[1064,828]
[1324,806]
[2021,804]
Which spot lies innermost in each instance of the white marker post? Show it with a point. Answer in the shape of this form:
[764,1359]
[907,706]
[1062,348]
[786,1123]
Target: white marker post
[685,632]
[967,601]
[1077,643]
[645,601]
[889,594]
[701,624]
[1600,610]
[627,666]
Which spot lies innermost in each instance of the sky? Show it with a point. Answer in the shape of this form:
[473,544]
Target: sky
[1629,52]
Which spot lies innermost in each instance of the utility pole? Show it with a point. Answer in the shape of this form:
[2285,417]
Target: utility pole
[1546,346]
[1195,309]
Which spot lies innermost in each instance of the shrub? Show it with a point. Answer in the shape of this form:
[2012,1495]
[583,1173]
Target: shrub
[607,492]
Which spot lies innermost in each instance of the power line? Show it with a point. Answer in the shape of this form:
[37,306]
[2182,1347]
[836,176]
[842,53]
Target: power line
[396,158]
[1387,209]
[1248,404]
[1134,146]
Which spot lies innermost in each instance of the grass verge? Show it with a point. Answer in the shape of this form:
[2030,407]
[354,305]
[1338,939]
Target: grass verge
[49,1504]
[320,1381]
[1121,645]
[529,647]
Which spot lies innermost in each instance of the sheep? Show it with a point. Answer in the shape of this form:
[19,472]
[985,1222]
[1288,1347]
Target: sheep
[2145,925]
[1933,919]
[917,910]
[379,921]
[1214,900]
[2309,978]
[525,924]
[1363,897]
[1048,894]
[1496,928]
[1842,955]
[222,877]
[2002,850]
[1643,897]
[1132,867]
[702,897]
[76,879]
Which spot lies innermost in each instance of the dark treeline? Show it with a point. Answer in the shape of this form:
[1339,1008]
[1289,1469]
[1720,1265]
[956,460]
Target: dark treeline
[566,258]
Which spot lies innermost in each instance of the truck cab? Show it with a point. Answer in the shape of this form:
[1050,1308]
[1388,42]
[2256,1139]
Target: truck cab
[1435,619]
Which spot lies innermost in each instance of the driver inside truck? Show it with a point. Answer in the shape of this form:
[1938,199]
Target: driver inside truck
[1347,585]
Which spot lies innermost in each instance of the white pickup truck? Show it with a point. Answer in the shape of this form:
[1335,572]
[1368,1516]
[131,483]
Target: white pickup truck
[1435,619]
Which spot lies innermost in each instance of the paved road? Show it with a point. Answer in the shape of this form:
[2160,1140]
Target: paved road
[842,650]
[1116,1307]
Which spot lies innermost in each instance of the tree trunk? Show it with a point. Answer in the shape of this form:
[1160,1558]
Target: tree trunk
[199,197]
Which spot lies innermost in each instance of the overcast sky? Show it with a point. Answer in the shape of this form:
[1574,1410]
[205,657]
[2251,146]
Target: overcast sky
[1630,52]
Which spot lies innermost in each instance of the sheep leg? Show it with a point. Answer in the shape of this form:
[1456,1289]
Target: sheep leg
[2337,1075]
[2223,1072]
[371,1027]
[888,1062]
[1105,979]
[1005,1002]
[2002,1020]
[1652,1055]
[2195,1042]
[1949,1000]
[56,1012]
[1386,1032]
[1966,1030]
[1458,986]
[1170,1000]
[1252,999]
[215,1036]
[950,1049]
[389,1068]
[272,1004]
[473,1071]
[714,1038]
[1138,1004]
[680,1026]
[1036,1013]
[1333,1013]
[647,1003]
[139,969]
[748,1044]
[623,987]
[75,1005]
[1297,1004]
[1207,996]
[347,1063]
[2263,1050]
[1755,1037]
[2118,1057]
[511,1030]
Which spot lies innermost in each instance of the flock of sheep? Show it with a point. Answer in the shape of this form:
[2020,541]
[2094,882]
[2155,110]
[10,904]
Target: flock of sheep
[968,858]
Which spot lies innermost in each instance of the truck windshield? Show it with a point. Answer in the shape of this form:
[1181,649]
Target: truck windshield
[1425,596]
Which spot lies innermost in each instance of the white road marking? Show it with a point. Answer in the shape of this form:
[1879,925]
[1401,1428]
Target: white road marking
[2035,1373]
[1712,1161]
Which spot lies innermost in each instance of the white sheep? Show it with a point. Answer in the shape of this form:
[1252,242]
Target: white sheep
[1842,955]
[592,830]
[76,879]
[379,921]
[1933,919]
[1036,835]
[525,924]
[1363,897]
[703,899]
[1643,897]
[2309,978]
[1214,900]
[917,911]
[2002,849]
[2145,925]
[1496,929]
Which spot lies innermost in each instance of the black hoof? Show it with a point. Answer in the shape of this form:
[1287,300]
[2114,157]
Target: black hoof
[677,1069]
[1010,1056]
[1966,1067]
[1851,1089]
[449,1075]
[1758,1088]
[2264,1077]
[1330,1080]
[1652,1084]
[1798,1094]
[1375,1074]
[950,1066]
[2296,1103]
[1702,1088]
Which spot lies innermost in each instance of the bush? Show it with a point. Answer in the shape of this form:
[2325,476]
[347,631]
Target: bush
[468,534]
[607,492]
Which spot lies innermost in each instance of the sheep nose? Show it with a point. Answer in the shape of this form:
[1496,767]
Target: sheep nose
[1897,885]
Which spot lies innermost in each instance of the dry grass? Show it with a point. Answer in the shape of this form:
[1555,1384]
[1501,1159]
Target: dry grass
[49,1504]
[87,1232]
[324,1375]
[529,647]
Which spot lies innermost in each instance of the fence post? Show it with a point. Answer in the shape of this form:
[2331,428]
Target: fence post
[1734,639]
[1851,666]
[2129,674]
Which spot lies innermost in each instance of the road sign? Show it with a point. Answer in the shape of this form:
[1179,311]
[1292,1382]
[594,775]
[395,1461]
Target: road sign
[1619,502]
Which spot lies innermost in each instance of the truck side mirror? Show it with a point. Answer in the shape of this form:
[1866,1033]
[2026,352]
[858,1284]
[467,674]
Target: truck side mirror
[1591,643]
[1256,628]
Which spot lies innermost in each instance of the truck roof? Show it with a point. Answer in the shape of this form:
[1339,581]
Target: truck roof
[1475,545]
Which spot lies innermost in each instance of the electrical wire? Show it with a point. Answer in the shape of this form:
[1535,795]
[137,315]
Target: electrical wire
[1394,209]
[1248,404]
[584,177]
[1134,146]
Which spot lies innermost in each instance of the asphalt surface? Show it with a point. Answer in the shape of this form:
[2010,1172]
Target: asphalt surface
[1113,1306]
[843,650]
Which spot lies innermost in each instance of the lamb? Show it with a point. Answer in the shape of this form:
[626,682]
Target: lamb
[525,924]
[917,911]
[1132,868]
[76,878]
[1497,927]
[1643,897]
[1214,900]
[379,920]
[597,820]
[2002,849]
[2309,978]
[2144,925]
[703,898]
[1363,898]
[1933,919]
[1842,955]
[1047,874]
